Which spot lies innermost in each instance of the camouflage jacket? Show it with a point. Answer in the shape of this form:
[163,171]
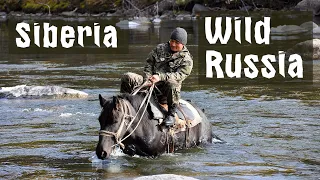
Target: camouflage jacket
[174,66]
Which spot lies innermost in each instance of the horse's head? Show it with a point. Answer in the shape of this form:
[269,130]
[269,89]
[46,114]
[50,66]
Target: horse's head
[111,120]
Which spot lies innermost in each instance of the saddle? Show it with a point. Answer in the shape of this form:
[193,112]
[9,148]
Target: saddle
[186,115]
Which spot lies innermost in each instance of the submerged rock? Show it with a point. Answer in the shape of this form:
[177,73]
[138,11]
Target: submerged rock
[3,16]
[287,30]
[125,24]
[309,25]
[184,16]
[156,20]
[316,31]
[309,49]
[309,5]
[40,91]
[141,20]
[165,177]
[197,8]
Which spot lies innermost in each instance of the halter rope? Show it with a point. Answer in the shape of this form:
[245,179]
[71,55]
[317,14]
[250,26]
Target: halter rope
[117,134]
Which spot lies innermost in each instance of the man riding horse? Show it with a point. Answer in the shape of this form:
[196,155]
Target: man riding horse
[167,66]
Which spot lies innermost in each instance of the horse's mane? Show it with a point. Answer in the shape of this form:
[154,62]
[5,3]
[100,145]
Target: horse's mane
[135,100]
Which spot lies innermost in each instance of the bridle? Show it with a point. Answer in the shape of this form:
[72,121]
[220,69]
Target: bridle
[125,111]
[117,134]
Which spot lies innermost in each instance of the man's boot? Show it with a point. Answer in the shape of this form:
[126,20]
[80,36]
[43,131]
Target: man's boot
[170,119]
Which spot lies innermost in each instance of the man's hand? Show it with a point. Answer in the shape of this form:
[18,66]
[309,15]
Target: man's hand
[154,78]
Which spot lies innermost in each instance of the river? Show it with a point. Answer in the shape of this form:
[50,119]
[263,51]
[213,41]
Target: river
[271,132]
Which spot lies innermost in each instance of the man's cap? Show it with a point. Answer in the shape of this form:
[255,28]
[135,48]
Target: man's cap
[180,35]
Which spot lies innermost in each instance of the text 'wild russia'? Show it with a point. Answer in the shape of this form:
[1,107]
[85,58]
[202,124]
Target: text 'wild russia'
[51,36]
[233,63]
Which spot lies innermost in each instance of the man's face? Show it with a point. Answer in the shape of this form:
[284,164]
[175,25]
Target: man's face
[175,45]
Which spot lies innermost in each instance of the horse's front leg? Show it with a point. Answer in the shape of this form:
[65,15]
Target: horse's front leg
[129,149]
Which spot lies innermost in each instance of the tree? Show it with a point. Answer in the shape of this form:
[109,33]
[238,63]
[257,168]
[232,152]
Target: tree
[46,3]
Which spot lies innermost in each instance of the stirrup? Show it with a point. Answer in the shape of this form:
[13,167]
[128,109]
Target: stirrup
[169,121]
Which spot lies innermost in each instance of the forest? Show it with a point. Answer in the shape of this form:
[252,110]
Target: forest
[142,7]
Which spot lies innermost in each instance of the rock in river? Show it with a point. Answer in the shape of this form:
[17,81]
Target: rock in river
[309,49]
[40,91]
[165,177]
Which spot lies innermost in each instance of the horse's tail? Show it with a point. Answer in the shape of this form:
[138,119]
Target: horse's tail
[207,134]
[207,130]
[205,126]
[216,139]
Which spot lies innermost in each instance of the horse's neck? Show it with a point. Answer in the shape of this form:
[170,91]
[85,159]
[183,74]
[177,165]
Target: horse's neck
[145,121]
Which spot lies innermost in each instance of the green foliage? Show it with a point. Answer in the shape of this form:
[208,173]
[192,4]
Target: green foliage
[82,5]
[118,2]
[30,7]
[61,6]
[98,6]
[182,2]
[33,6]
[12,5]
[2,3]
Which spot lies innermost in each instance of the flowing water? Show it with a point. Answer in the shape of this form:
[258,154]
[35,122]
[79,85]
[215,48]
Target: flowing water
[271,132]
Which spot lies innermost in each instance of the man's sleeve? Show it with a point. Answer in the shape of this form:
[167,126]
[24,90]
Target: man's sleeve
[181,73]
[148,68]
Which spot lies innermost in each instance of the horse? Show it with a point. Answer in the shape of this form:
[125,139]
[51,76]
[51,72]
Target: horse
[123,123]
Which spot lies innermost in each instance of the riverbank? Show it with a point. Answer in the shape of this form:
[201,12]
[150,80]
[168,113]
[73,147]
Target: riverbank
[127,8]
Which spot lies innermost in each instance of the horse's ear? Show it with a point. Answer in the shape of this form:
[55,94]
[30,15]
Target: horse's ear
[116,103]
[102,100]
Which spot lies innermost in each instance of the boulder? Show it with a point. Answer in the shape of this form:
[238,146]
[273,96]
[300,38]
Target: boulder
[141,20]
[309,50]
[165,5]
[156,21]
[316,32]
[309,5]
[183,16]
[3,16]
[309,25]
[197,8]
[40,91]
[165,177]
[287,30]
[125,24]
[167,15]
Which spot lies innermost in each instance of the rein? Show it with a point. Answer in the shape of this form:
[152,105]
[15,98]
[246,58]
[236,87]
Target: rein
[117,134]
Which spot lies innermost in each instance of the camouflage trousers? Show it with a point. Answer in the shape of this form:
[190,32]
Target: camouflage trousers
[170,90]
